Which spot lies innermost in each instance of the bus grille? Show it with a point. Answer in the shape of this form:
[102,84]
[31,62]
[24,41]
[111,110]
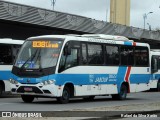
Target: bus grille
[34,90]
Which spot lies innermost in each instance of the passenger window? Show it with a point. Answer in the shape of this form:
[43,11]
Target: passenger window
[154,64]
[5,54]
[158,62]
[127,55]
[112,55]
[141,56]
[15,50]
[95,54]
[84,54]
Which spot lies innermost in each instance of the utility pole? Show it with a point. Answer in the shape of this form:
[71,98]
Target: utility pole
[53,2]
[145,17]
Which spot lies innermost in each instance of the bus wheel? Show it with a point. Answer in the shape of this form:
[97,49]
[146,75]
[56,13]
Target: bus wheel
[1,89]
[90,98]
[27,98]
[158,86]
[122,95]
[65,96]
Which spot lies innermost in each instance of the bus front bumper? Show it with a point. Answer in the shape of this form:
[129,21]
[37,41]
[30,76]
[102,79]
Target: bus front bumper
[36,90]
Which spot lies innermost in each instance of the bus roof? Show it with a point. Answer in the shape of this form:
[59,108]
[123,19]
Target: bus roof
[112,39]
[94,36]
[11,41]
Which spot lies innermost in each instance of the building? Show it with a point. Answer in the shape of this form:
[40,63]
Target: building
[120,12]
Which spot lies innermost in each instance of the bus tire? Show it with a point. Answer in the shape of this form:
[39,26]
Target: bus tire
[65,96]
[89,98]
[1,90]
[158,86]
[122,95]
[27,98]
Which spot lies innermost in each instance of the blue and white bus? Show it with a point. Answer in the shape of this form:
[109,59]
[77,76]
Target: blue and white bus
[67,66]
[155,66]
[8,51]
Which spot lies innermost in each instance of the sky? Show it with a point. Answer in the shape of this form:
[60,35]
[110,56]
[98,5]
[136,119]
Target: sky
[99,9]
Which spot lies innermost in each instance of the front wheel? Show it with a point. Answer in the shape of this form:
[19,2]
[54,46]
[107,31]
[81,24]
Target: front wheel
[65,96]
[27,98]
[122,95]
[158,86]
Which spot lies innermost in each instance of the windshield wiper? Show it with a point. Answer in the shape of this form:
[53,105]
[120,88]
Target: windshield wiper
[30,58]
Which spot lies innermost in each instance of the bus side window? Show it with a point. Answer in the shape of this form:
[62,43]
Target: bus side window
[95,54]
[154,64]
[127,55]
[158,62]
[112,55]
[84,54]
[141,56]
[5,54]
[15,50]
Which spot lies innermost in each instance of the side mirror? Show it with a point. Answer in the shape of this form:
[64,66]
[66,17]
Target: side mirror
[67,50]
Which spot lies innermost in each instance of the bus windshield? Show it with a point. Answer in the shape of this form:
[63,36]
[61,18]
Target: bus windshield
[39,54]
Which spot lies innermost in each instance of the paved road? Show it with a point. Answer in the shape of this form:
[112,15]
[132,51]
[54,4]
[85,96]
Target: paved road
[8,103]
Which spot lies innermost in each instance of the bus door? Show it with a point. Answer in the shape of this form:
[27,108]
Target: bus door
[70,56]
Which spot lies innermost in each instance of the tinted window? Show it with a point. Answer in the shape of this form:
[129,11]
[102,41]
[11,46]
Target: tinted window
[95,54]
[5,54]
[158,62]
[112,55]
[15,50]
[141,56]
[127,55]
[84,54]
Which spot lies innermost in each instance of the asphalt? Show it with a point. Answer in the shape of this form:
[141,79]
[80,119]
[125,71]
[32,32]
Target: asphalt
[141,103]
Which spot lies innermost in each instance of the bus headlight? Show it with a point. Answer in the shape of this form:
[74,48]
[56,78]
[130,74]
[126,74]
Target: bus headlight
[47,82]
[13,81]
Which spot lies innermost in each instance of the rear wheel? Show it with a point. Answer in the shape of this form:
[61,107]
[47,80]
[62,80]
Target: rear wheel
[158,86]
[122,95]
[27,98]
[65,96]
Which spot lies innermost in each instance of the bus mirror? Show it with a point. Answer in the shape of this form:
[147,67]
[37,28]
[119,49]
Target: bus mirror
[67,50]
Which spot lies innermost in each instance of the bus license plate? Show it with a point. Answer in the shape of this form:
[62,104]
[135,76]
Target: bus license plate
[27,89]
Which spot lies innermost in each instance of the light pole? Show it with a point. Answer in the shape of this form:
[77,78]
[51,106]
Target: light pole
[149,26]
[145,17]
[53,2]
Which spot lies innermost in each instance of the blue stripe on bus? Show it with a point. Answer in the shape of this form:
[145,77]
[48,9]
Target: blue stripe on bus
[128,43]
[5,75]
[90,79]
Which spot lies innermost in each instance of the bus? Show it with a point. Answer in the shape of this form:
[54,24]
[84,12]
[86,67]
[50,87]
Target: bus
[155,66]
[8,51]
[89,65]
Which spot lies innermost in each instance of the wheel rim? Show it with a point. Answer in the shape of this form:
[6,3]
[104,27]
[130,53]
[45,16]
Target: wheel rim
[65,95]
[123,92]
